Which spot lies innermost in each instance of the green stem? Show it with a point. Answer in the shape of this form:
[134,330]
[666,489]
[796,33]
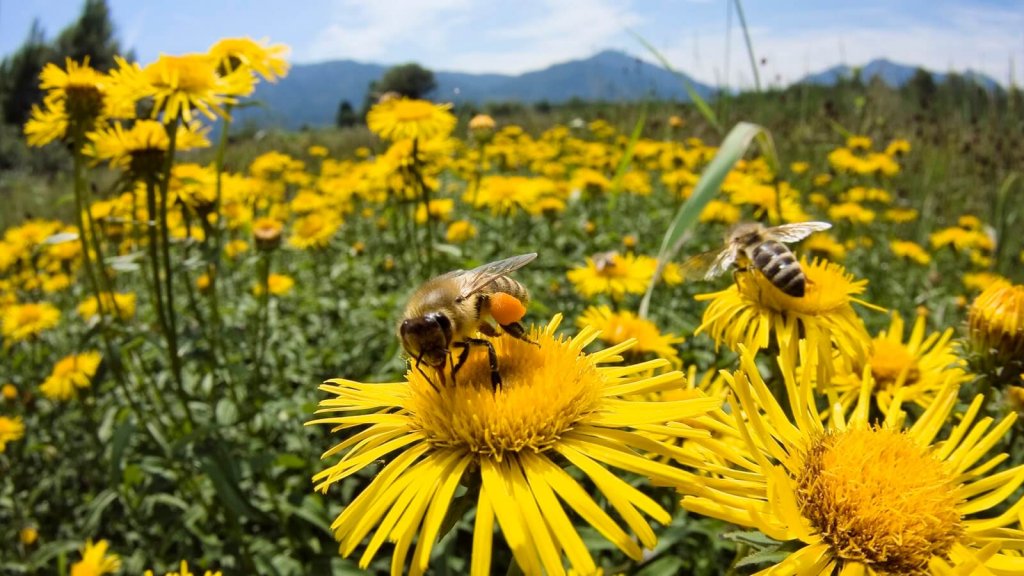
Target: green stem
[263,318]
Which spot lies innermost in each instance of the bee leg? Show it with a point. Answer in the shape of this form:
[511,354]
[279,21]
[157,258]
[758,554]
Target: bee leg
[516,330]
[425,376]
[492,357]
[462,358]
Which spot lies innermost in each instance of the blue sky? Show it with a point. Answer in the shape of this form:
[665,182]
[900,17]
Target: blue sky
[793,36]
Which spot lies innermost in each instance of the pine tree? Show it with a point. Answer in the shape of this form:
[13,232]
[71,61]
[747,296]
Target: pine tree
[19,76]
[91,35]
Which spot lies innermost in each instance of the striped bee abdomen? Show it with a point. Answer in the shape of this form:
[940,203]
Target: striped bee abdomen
[510,287]
[779,266]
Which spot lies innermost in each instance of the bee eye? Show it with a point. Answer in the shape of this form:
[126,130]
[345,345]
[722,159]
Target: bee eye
[442,322]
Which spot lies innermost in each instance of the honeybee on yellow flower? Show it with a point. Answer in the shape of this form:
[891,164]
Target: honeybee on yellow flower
[447,311]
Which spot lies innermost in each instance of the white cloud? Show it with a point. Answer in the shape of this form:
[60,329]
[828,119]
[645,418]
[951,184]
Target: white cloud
[371,30]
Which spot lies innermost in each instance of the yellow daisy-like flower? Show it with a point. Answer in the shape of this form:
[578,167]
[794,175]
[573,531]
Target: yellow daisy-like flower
[911,251]
[267,61]
[996,322]
[184,571]
[277,284]
[120,304]
[619,327]
[11,429]
[753,311]
[719,211]
[142,147]
[9,392]
[180,84]
[917,369]
[439,209]
[402,118]
[460,231]
[23,321]
[314,230]
[46,124]
[614,274]
[69,374]
[856,498]
[825,244]
[557,406]
[28,535]
[96,561]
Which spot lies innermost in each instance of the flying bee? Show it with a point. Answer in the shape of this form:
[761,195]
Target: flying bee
[605,260]
[446,312]
[764,249]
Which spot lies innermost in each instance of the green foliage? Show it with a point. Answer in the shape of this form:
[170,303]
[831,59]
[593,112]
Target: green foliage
[410,80]
[346,117]
[19,76]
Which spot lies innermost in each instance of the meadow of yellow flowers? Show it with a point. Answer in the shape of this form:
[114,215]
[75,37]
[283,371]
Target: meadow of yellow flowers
[161,354]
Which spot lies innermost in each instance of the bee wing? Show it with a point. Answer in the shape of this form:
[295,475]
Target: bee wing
[476,279]
[795,232]
[707,265]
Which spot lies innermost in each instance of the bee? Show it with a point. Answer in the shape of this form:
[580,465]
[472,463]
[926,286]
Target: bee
[764,249]
[605,260]
[446,312]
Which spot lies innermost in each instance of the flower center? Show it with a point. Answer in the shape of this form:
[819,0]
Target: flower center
[413,110]
[545,391]
[889,360]
[878,498]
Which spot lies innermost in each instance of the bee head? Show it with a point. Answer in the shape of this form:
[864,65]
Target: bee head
[426,338]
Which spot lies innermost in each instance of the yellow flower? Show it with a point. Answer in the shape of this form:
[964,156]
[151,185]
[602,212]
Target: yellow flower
[203,282]
[915,370]
[184,571]
[235,248]
[613,274]
[28,535]
[619,327]
[96,561]
[69,374]
[23,321]
[852,212]
[267,233]
[855,498]
[460,231]
[76,96]
[401,118]
[996,322]
[509,194]
[897,147]
[180,84]
[718,211]
[858,143]
[752,312]
[9,392]
[142,147]
[314,230]
[910,250]
[557,407]
[799,167]
[901,215]
[278,284]
[825,244]
[46,124]
[120,304]
[979,281]
[235,53]
[318,151]
[439,209]
[11,429]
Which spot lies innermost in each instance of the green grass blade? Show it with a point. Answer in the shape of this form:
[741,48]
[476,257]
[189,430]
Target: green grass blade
[627,159]
[701,104]
[731,151]
[750,45]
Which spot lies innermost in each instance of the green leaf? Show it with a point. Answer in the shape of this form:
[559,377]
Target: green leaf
[122,435]
[96,508]
[627,157]
[663,566]
[226,412]
[47,552]
[227,491]
[771,556]
[755,538]
[729,153]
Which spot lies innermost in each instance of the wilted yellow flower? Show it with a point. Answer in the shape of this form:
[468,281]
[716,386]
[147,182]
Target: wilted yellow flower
[278,284]
[481,122]
[96,561]
[619,327]
[11,429]
[460,231]
[910,250]
[852,497]
[401,118]
[69,374]
[121,305]
[23,321]
[556,408]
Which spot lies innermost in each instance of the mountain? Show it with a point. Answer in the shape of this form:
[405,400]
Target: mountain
[311,93]
[892,73]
